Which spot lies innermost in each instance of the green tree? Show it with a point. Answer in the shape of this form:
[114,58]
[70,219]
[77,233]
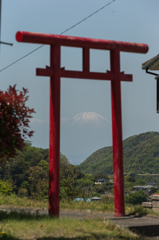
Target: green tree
[18,168]
[34,175]
[140,182]
[99,188]
[5,188]
[108,185]
[67,191]
[153,190]
[130,179]
[136,198]
[44,164]
[68,170]
[82,182]
[84,193]
[99,176]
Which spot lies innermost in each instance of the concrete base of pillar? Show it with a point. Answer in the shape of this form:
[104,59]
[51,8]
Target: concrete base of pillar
[154,205]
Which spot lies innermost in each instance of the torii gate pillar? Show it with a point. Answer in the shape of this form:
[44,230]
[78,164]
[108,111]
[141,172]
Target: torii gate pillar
[56,72]
[54,141]
[117,134]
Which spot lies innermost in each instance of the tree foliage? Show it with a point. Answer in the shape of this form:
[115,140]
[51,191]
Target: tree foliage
[99,176]
[28,173]
[68,170]
[67,191]
[5,188]
[140,155]
[130,179]
[14,121]
[136,198]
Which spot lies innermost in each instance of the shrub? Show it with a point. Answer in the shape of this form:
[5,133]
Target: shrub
[95,194]
[153,190]
[67,191]
[5,188]
[105,206]
[107,200]
[23,192]
[136,198]
[140,211]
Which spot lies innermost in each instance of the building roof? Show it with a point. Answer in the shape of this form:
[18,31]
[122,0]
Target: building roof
[150,183]
[95,198]
[144,187]
[139,187]
[101,179]
[150,186]
[151,64]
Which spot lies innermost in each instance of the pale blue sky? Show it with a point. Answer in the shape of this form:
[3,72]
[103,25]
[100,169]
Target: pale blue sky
[124,20]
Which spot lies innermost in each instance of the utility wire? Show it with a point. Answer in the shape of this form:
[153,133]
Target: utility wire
[84,19]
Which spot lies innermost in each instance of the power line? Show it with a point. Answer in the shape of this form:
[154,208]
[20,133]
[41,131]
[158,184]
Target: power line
[21,58]
[84,19]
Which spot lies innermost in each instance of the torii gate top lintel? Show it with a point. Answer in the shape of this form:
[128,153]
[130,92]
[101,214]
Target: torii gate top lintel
[56,72]
[70,41]
[86,44]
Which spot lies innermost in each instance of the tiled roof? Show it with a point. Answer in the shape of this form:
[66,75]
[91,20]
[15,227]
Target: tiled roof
[152,64]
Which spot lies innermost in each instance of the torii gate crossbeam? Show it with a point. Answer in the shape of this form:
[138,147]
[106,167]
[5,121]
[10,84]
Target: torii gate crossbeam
[55,72]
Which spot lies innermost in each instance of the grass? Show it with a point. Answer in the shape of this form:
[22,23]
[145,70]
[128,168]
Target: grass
[16,226]
[25,226]
[105,205]
[14,201]
[22,225]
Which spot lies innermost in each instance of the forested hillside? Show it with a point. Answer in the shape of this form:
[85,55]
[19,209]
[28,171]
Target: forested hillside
[140,154]
[27,173]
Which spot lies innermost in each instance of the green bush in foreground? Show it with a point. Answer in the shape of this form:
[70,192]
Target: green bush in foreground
[5,188]
[136,198]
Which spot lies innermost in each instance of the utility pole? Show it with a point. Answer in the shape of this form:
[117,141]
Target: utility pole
[11,44]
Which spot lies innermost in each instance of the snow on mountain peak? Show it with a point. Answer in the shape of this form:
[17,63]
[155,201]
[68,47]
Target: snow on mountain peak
[84,118]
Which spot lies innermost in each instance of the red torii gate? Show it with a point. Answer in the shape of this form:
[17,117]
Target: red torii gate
[55,72]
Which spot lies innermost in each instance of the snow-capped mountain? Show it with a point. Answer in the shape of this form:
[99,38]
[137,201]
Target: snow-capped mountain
[85,132]
[87,118]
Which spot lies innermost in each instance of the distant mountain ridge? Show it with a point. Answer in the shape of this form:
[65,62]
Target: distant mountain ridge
[140,155]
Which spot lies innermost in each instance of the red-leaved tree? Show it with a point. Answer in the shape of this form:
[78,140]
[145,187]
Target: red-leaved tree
[14,121]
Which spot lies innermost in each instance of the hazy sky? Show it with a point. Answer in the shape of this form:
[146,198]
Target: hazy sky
[124,20]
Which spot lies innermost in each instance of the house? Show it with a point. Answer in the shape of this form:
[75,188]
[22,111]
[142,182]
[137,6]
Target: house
[111,181]
[95,199]
[143,188]
[101,181]
[138,188]
[148,187]
[151,183]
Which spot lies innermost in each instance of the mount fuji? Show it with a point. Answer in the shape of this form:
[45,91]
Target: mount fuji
[83,134]
[86,118]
